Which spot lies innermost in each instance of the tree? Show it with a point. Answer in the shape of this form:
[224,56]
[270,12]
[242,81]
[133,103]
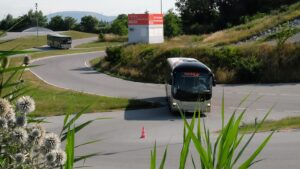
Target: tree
[69,23]
[89,24]
[172,24]
[30,20]
[7,22]
[120,25]
[198,16]
[57,23]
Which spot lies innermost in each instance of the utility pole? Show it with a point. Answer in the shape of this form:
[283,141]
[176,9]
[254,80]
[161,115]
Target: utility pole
[37,19]
[161,6]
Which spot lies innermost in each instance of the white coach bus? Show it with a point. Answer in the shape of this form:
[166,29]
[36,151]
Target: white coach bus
[188,85]
[59,41]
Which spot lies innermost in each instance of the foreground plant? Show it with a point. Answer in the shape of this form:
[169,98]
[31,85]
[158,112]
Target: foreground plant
[26,145]
[226,151]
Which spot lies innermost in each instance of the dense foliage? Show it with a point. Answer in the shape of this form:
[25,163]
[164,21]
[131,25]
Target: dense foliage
[26,21]
[57,23]
[120,25]
[172,24]
[89,24]
[202,16]
[258,63]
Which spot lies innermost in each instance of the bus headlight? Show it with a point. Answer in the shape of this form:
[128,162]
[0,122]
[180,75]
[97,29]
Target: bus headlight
[208,104]
[174,104]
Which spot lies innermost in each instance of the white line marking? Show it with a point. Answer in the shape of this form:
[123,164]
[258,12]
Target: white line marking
[55,56]
[291,111]
[262,109]
[237,108]
[51,84]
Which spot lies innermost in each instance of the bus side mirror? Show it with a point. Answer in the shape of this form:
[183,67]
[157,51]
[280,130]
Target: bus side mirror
[170,80]
[214,80]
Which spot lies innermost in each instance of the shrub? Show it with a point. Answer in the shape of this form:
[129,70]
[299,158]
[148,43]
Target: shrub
[113,54]
[245,64]
[112,38]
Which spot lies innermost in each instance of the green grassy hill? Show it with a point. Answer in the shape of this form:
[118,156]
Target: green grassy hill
[248,63]
[237,33]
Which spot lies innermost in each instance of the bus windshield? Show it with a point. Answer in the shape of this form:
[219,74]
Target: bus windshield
[191,85]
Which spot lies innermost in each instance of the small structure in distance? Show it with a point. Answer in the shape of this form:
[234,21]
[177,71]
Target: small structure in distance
[145,28]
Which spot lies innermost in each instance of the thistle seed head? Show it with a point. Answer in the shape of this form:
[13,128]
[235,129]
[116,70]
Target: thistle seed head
[20,158]
[10,114]
[51,141]
[21,121]
[19,135]
[3,123]
[60,157]
[11,123]
[4,107]
[44,150]
[50,157]
[25,104]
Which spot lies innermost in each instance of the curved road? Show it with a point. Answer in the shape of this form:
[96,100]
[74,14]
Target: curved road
[122,148]
[72,72]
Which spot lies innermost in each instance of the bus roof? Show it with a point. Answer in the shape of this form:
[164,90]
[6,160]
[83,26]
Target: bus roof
[59,35]
[184,61]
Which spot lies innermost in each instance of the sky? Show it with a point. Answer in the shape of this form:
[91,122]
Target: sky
[106,7]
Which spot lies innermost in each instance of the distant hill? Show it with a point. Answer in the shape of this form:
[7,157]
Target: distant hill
[79,14]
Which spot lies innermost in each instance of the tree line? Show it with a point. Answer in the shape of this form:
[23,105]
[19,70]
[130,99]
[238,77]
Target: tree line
[192,17]
[58,23]
[204,16]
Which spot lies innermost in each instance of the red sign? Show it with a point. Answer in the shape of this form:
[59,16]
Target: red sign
[145,19]
[191,74]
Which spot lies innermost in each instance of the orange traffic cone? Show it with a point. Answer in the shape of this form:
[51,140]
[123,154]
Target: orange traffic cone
[143,135]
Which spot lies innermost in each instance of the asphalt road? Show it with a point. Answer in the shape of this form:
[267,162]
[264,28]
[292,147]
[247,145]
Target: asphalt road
[77,42]
[122,148]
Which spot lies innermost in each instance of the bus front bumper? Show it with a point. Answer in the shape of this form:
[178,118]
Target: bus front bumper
[190,107]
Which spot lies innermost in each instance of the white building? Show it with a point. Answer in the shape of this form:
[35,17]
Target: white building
[145,28]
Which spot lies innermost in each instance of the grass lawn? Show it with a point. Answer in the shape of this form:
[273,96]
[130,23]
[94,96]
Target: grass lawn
[1,33]
[94,62]
[98,44]
[23,43]
[53,101]
[283,124]
[79,35]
